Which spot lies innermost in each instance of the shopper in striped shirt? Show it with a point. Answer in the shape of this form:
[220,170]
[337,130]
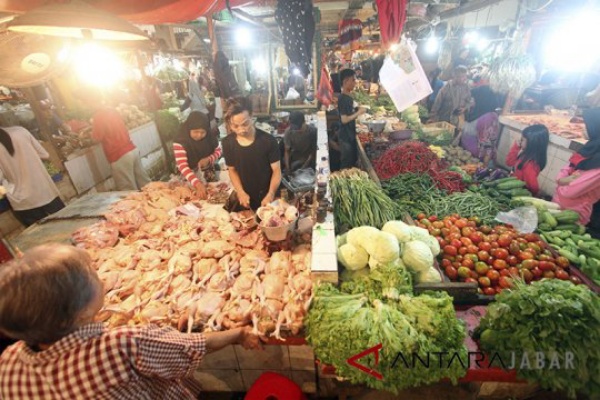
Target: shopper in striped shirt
[48,301]
[196,150]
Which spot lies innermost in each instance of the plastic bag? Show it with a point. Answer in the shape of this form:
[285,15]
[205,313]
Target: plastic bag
[292,94]
[303,177]
[523,219]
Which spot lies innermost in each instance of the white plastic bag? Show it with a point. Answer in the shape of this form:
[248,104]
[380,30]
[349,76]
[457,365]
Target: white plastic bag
[523,219]
[292,94]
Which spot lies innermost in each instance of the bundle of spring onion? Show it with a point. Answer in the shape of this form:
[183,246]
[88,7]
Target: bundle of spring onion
[358,201]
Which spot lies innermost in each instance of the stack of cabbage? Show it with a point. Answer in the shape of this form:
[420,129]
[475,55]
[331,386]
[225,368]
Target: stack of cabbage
[411,117]
[366,248]
[375,306]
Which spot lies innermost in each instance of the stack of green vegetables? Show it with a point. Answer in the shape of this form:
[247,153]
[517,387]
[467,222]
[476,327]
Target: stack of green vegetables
[343,323]
[554,318]
[502,190]
[560,229]
[416,193]
[358,201]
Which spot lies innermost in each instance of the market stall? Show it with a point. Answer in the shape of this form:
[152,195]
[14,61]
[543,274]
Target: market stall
[565,139]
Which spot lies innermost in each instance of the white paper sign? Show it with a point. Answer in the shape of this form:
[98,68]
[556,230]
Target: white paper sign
[405,88]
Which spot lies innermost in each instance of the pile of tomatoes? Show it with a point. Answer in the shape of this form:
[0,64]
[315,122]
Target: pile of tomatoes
[492,257]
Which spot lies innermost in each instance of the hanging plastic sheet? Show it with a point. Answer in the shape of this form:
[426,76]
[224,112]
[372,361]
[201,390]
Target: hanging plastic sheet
[404,79]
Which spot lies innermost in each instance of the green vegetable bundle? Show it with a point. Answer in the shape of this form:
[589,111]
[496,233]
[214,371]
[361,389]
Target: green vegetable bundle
[359,201]
[552,317]
[466,204]
[341,325]
[412,191]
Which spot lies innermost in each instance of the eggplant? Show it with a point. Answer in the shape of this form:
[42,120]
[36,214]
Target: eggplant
[481,173]
[498,174]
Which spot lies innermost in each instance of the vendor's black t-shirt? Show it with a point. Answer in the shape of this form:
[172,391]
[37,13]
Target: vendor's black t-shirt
[253,163]
[346,107]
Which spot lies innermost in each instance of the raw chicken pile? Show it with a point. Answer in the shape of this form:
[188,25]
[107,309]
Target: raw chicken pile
[167,258]
[279,213]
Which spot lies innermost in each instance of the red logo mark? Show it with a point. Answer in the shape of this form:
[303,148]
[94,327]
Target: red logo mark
[372,372]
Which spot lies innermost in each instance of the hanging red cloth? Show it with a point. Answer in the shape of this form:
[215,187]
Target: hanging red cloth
[392,15]
[140,11]
[349,32]
[325,92]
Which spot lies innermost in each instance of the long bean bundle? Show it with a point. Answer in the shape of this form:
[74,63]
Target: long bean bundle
[466,204]
[358,201]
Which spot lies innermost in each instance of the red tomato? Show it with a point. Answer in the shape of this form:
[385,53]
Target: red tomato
[472,224]
[473,275]
[526,275]
[433,218]
[476,237]
[547,266]
[548,274]
[484,281]
[492,237]
[472,249]
[505,282]
[435,232]
[512,260]
[456,243]
[472,257]
[446,263]
[463,250]
[493,275]
[489,291]
[459,258]
[471,280]
[467,231]
[494,245]
[467,262]
[537,273]
[442,242]
[533,247]
[531,237]
[485,246]
[499,264]
[526,255]
[545,257]
[461,223]
[445,232]
[530,264]
[466,241]
[485,229]
[483,255]
[448,223]
[450,250]
[561,274]
[562,262]
[513,248]
[421,216]
[454,236]
[456,264]
[504,240]
[504,272]
[500,253]
[513,271]
[451,273]
[438,224]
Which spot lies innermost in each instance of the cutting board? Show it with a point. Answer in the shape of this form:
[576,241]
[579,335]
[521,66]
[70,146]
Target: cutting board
[89,206]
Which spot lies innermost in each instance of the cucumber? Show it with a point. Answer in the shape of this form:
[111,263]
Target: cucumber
[557,241]
[544,227]
[567,227]
[519,192]
[567,217]
[503,180]
[549,219]
[514,184]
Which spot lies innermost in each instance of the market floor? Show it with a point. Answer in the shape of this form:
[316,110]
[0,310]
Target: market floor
[472,391]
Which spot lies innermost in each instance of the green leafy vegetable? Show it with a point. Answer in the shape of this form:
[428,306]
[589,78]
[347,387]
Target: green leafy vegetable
[555,318]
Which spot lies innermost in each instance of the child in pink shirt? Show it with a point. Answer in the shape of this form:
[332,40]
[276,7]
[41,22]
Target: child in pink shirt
[579,182]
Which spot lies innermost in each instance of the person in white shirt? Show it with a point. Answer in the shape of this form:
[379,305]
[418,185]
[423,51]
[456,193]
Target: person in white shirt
[30,190]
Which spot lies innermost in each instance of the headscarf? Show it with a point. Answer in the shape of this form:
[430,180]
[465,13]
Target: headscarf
[197,149]
[588,157]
